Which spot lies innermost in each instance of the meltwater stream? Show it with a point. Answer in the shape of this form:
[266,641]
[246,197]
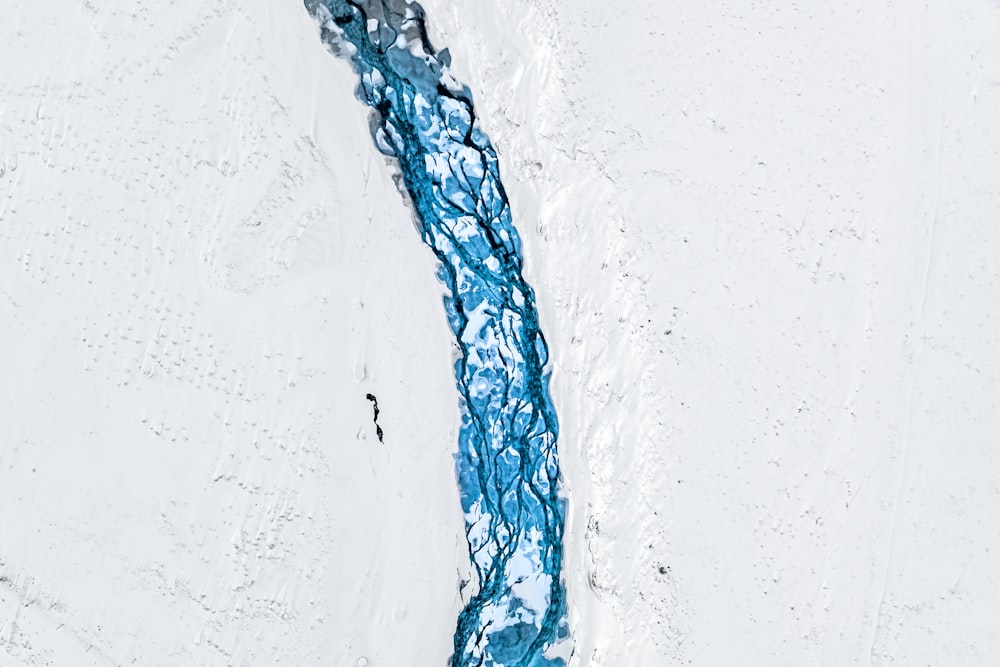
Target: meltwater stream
[507,464]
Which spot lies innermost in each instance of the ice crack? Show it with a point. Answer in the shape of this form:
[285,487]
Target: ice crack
[507,462]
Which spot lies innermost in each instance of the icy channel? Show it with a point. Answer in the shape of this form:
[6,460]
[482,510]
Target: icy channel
[507,464]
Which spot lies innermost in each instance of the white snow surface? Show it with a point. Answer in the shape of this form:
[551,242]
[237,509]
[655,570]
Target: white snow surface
[204,267]
[763,240]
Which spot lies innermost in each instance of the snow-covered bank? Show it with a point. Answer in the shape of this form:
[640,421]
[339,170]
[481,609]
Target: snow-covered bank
[204,268]
[762,240]
[763,250]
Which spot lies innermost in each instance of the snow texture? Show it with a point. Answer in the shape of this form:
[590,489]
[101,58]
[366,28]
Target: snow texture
[763,241]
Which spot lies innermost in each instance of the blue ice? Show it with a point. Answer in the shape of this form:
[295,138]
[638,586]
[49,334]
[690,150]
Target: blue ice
[507,464]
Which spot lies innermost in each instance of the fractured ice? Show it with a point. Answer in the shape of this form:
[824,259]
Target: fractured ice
[507,463]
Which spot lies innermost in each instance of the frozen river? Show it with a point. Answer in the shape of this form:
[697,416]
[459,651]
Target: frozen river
[507,463]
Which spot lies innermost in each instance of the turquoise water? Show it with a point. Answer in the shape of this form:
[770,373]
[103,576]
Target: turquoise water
[507,465]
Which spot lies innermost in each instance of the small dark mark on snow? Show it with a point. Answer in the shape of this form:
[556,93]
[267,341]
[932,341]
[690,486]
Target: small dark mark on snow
[378,429]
